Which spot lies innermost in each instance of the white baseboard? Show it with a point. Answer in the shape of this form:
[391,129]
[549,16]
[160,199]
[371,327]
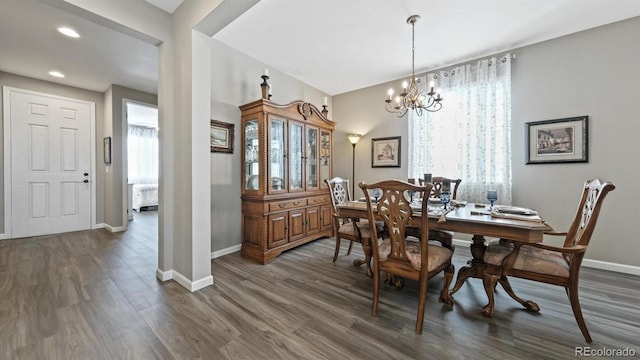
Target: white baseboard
[594,264]
[463,243]
[164,275]
[114,229]
[226,251]
[98,226]
[192,285]
[603,265]
[183,280]
[4,236]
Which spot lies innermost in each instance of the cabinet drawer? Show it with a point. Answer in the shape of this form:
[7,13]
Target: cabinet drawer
[316,200]
[288,204]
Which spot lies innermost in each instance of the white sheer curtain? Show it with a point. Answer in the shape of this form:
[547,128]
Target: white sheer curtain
[143,155]
[470,138]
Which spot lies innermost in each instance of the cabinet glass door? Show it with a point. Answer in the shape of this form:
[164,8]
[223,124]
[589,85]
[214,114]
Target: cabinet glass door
[325,157]
[277,164]
[251,154]
[312,157]
[295,156]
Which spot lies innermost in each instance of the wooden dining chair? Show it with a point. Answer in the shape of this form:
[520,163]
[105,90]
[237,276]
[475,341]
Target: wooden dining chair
[398,255]
[556,265]
[443,237]
[354,230]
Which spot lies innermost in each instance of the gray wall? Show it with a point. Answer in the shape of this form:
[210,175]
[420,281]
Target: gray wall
[115,127]
[236,81]
[26,83]
[594,73]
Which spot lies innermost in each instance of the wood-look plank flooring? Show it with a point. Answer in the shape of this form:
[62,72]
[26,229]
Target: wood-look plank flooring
[94,295]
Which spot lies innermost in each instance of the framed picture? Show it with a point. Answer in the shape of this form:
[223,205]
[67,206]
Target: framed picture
[221,137]
[558,141]
[107,150]
[385,152]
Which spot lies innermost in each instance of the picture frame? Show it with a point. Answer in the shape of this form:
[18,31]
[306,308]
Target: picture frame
[385,152]
[221,137]
[558,141]
[107,149]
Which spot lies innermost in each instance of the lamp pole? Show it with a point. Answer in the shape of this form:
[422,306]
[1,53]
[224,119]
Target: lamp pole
[353,139]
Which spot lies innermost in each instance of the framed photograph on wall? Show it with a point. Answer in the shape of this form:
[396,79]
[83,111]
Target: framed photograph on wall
[558,141]
[385,152]
[221,139]
[107,150]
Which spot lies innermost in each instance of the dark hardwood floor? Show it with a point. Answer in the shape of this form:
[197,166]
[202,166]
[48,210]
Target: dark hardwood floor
[94,295]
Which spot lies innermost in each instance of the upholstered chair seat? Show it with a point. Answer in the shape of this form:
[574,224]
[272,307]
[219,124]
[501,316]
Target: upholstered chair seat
[437,255]
[529,259]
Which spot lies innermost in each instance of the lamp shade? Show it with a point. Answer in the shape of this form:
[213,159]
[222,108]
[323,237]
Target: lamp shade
[353,138]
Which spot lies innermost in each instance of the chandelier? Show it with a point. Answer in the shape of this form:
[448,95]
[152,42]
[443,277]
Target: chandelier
[411,97]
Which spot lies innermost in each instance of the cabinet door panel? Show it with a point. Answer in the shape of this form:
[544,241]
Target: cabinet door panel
[251,156]
[325,157]
[311,158]
[296,228]
[313,220]
[326,219]
[277,163]
[296,156]
[277,230]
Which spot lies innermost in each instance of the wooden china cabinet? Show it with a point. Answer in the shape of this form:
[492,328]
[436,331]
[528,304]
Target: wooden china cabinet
[287,154]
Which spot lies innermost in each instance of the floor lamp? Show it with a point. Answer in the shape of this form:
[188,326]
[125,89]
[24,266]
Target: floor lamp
[353,139]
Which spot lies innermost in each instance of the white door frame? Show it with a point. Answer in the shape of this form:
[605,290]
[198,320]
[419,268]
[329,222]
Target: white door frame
[125,155]
[6,116]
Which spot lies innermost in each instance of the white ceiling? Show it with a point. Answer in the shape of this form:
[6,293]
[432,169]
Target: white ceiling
[167,5]
[338,46]
[333,45]
[30,45]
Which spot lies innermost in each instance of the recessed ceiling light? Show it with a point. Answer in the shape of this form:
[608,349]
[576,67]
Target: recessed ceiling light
[69,32]
[57,74]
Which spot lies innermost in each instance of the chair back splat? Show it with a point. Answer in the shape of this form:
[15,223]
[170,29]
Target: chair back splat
[398,255]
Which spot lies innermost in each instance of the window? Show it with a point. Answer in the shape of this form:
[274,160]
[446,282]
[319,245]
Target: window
[470,138]
[143,155]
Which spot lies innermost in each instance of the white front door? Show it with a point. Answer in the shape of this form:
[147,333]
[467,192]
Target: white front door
[50,164]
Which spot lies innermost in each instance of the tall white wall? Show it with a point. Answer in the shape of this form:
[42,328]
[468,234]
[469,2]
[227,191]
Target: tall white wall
[594,73]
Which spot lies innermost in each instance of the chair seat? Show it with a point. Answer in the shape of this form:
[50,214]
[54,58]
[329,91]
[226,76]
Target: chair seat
[348,229]
[438,255]
[530,259]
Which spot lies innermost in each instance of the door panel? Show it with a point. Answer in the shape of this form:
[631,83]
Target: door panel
[277,230]
[326,218]
[313,220]
[49,192]
[296,225]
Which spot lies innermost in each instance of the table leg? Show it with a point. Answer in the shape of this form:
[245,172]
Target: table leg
[366,248]
[476,265]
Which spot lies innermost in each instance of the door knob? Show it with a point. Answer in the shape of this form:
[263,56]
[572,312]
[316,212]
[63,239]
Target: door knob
[86,181]
[86,174]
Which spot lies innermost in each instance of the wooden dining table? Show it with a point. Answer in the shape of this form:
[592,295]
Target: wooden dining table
[470,218]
